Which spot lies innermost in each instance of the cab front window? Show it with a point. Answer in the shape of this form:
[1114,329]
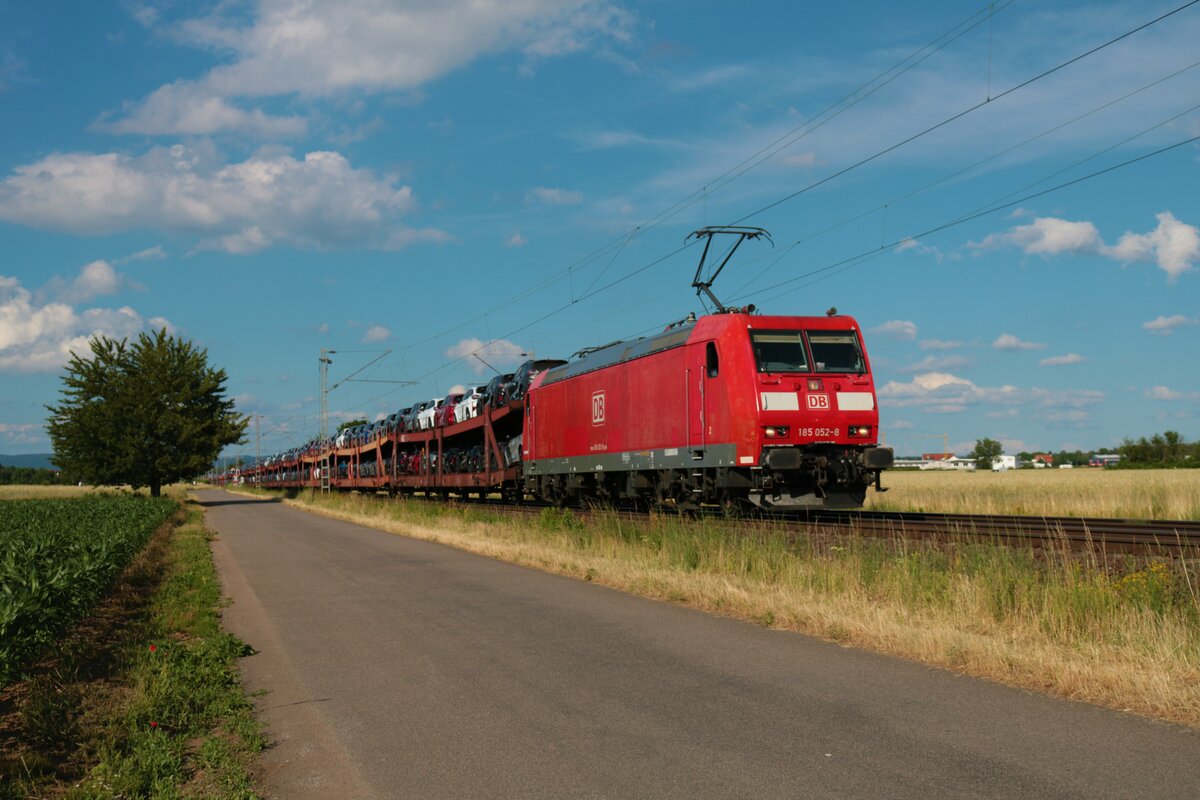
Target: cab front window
[836,351]
[779,351]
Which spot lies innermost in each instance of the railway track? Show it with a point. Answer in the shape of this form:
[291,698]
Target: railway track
[1181,537]
[1134,536]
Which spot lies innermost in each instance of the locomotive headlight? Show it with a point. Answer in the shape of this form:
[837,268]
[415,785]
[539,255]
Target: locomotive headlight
[775,431]
[862,431]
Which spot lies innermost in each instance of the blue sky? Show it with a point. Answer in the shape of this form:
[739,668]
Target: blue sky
[272,178]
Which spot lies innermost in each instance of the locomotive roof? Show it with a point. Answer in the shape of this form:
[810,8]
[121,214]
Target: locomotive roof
[676,335]
[619,352]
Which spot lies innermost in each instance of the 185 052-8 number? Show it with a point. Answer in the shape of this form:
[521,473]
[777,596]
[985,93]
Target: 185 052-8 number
[819,432]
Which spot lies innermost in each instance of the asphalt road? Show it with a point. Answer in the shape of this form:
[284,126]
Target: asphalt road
[398,668]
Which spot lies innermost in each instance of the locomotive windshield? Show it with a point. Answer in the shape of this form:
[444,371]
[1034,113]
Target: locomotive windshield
[835,351]
[779,351]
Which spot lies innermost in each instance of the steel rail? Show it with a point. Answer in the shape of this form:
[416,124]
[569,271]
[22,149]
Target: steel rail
[1104,534]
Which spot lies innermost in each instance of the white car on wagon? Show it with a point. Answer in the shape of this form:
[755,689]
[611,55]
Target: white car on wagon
[469,406]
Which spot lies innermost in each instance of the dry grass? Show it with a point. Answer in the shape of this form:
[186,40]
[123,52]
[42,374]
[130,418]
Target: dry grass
[1143,494]
[19,492]
[1128,639]
[27,492]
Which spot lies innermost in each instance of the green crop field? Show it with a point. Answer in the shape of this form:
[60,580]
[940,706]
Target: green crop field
[58,557]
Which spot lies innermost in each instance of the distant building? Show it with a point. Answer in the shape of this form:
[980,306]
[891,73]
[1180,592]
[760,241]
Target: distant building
[1042,460]
[1104,460]
[1002,463]
[947,461]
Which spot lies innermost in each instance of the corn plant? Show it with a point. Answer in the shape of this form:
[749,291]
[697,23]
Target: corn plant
[58,558]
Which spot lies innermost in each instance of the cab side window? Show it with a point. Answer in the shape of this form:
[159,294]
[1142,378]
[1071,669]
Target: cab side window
[711,361]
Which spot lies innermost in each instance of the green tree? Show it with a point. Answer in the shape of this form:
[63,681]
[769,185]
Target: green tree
[147,413]
[985,452]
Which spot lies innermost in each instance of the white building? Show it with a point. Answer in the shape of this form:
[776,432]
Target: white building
[1002,462]
[950,463]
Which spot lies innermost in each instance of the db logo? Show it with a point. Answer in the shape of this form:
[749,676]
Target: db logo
[598,408]
[818,402]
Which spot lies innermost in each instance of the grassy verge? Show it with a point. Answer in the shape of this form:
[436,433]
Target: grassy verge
[142,699]
[1122,634]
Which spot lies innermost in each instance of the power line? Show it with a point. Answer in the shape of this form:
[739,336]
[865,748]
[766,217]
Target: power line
[951,175]
[690,199]
[964,113]
[968,218]
[831,112]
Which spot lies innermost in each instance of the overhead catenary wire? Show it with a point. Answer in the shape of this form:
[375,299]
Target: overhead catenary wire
[620,243]
[959,115]
[976,215]
[975,165]
[862,92]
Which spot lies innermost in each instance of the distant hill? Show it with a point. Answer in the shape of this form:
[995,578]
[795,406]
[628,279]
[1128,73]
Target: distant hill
[37,460]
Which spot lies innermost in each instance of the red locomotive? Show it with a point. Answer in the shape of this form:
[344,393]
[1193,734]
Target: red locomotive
[733,409]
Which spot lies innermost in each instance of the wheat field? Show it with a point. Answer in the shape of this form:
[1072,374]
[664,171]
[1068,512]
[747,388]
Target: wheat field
[1140,494]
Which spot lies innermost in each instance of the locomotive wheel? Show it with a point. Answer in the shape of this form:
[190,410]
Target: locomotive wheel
[736,504]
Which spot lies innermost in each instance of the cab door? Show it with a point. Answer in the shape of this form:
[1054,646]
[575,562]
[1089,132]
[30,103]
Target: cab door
[703,369]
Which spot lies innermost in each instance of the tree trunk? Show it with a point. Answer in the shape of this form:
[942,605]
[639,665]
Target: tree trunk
[155,488]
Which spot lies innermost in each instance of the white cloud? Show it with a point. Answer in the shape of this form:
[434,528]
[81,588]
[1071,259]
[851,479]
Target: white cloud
[187,109]
[1007,341]
[150,253]
[1173,245]
[516,240]
[158,323]
[553,197]
[377,333]
[1047,236]
[1168,394]
[900,425]
[319,201]
[500,353]
[897,329]
[1165,326]
[938,364]
[942,393]
[939,344]
[95,280]
[595,139]
[39,337]
[1060,361]
[925,249]
[22,432]
[306,49]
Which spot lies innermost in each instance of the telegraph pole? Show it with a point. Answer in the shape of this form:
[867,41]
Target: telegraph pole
[257,450]
[324,361]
